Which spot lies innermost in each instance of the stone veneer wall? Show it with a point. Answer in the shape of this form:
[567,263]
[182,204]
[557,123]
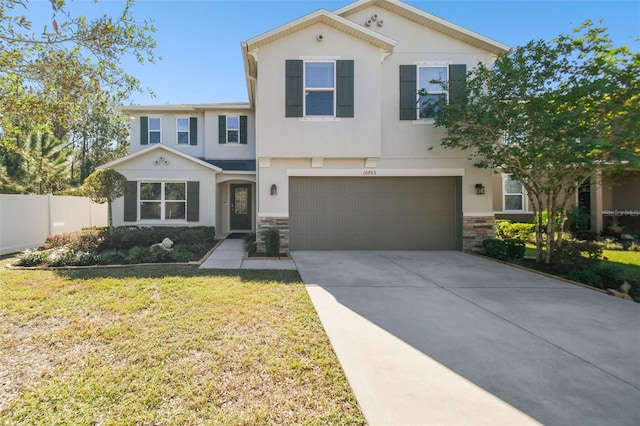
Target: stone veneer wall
[475,230]
[281,223]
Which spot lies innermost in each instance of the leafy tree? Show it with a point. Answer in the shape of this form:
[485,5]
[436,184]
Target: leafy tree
[104,186]
[551,115]
[52,78]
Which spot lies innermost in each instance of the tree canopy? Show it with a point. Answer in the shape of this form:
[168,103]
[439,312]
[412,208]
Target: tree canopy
[64,78]
[552,114]
[104,186]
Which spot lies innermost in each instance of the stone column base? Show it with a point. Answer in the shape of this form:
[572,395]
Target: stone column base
[476,229]
[280,223]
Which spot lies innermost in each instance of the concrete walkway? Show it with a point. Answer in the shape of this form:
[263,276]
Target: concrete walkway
[230,255]
[447,338]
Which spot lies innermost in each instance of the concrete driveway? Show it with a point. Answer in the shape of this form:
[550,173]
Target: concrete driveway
[447,338]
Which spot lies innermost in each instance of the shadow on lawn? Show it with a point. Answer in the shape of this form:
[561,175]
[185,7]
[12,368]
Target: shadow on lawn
[182,271]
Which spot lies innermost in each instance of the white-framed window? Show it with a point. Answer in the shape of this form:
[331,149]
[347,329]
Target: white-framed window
[163,200]
[182,126]
[233,129]
[155,129]
[319,88]
[433,95]
[513,195]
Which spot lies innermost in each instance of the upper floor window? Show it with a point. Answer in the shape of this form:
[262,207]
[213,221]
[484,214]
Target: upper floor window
[155,126]
[514,194]
[319,88]
[232,129]
[182,126]
[433,93]
[426,89]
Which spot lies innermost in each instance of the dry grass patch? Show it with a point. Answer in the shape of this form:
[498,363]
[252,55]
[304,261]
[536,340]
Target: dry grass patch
[172,345]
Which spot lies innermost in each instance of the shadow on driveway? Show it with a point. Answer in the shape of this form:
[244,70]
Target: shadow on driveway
[439,337]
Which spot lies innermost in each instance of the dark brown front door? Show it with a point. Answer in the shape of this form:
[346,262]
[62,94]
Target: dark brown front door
[240,207]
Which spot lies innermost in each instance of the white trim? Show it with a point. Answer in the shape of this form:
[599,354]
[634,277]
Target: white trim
[188,131]
[525,198]
[477,214]
[320,58]
[432,63]
[318,118]
[370,172]
[150,149]
[276,215]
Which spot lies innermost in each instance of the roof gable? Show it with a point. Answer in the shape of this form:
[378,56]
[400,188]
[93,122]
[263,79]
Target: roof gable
[430,21]
[158,147]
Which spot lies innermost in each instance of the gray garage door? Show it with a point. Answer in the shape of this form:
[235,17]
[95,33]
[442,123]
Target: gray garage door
[374,213]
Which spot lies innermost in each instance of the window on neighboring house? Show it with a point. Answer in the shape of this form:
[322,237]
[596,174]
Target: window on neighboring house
[155,129]
[163,200]
[432,81]
[319,88]
[514,195]
[182,125]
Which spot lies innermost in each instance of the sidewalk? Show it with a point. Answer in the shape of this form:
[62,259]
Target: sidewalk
[230,255]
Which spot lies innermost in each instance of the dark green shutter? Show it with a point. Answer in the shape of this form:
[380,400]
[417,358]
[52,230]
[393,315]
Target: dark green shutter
[344,88]
[193,201]
[294,88]
[131,202]
[457,83]
[193,131]
[144,130]
[243,129]
[408,92]
[222,129]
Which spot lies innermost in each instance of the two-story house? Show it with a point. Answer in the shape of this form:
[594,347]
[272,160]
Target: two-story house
[335,147]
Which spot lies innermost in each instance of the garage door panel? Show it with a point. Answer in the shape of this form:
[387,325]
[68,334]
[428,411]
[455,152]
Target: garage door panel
[373,213]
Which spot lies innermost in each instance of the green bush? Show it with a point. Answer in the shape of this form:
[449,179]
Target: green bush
[126,237]
[585,276]
[250,243]
[111,257]
[514,249]
[511,249]
[272,242]
[611,275]
[576,255]
[505,229]
[610,244]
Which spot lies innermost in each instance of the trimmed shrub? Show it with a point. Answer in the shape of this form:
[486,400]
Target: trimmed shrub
[86,240]
[511,249]
[495,248]
[111,257]
[250,243]
[585,276]
[505,229]
[32,257]
[272,242]
[576,255]
[514,249]
[611,275]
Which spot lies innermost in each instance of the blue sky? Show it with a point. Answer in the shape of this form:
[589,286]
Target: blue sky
[199,40]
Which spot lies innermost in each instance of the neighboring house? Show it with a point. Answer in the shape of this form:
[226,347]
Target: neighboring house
[609,202]
[334,147]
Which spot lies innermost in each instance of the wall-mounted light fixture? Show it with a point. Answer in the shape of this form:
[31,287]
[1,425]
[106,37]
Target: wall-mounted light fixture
[274,189]
[480,190]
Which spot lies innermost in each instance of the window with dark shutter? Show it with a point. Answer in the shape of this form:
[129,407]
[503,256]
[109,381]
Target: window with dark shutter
[193,201]
[408,92]
[222,129]
[193,131]
[294,88]
[144,130]
[344,88]
[131,202]
[243,129]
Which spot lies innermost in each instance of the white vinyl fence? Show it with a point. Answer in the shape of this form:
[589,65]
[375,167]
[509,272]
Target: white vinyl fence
[26,220]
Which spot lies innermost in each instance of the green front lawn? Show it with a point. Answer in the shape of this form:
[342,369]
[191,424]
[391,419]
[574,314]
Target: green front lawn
[165,345]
